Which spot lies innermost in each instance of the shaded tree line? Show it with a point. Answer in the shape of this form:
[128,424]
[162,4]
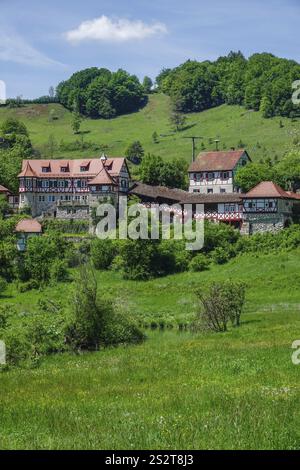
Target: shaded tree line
[262,82]
[99,93]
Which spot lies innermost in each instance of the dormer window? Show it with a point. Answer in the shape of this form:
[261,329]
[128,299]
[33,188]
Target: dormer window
[64,169]
[84,168]
[46,169]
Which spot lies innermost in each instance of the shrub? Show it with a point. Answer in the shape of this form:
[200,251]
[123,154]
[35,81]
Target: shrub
[59,271]
[220,255]
[35,334]
[3,285]
[18,346]
[222,302]
[28,285]
[199,263]
[94,321]
[103,253]
[139,257]
[117,264]
[6,312]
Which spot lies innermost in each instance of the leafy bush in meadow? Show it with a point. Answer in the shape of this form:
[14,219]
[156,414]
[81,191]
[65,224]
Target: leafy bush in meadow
[220,303]
[30,335]
[103,252]
[199,263]
[94,322]
[89,322]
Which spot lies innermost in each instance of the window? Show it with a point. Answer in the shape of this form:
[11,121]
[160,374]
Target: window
[46,169]
[230,208]
[211,176]
[64,169]
[225,175]
[41,198]
[51,198]
[196,190]
[210,191]
[22,198]
[83,168]
[222,190]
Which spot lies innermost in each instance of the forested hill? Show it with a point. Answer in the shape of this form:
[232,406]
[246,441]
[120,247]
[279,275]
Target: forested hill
[261,82]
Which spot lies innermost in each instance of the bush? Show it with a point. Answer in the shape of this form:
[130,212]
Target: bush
[6,312]
[222,302]
[3,285]
[28,285]
[117,264]
[59,271]
[94,321]
[220,255]
[199,263]
[103,253]
[34,334]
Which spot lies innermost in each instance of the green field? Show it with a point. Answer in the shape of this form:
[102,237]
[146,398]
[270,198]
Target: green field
[230,124]
[234,390]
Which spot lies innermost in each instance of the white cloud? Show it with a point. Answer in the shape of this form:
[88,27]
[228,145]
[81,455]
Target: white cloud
[14,48]
[114,30]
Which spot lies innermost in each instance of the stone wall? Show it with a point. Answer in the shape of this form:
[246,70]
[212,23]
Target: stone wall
[262,223]
[76,213]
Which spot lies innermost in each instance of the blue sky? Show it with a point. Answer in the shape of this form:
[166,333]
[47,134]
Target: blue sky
[44,42]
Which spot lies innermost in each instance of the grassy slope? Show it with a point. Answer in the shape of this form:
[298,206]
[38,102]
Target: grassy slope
[230,123]
[177,390]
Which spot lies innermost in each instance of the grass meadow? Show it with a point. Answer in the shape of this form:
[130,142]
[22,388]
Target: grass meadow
[177,390]
[230,124]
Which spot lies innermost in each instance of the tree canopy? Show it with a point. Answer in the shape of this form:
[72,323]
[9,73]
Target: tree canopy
[286,172]
[99,93]
[261,82]
[16,147]
[155,171]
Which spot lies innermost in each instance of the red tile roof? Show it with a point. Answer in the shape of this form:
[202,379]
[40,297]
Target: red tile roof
[294,195]
[217,161]
[29,226]
[103,177]
[33,168]
[268,189]
[3,189]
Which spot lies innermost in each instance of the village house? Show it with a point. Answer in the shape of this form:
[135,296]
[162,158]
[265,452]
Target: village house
[265,208]
[214,172]
[69,188]
[12,199]
[25,229]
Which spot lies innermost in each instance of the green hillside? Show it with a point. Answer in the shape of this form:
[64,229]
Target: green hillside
[234,390]
[230,124]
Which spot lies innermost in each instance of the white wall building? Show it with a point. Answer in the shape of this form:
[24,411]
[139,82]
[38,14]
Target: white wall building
[214,172]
